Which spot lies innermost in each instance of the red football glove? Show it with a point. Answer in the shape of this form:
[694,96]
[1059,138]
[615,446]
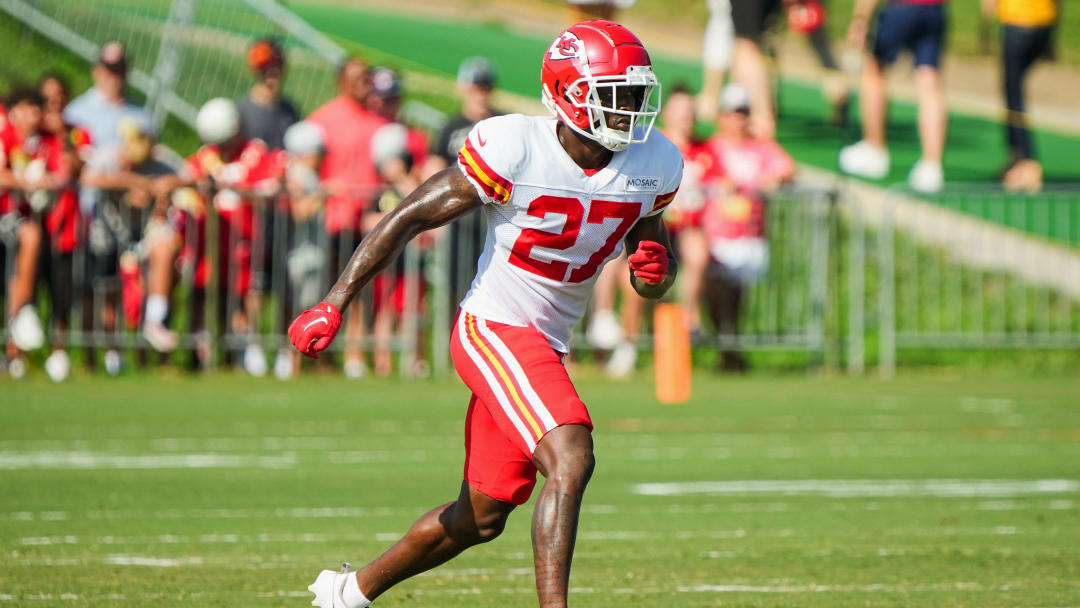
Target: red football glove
[315,329]
[649,262]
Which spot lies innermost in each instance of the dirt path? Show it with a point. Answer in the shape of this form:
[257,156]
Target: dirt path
[973,83]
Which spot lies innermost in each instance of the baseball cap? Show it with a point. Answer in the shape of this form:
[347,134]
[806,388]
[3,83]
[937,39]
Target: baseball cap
[265,54]
[304,138]
[113,57]
[735,98]
[476,71]
[386,83]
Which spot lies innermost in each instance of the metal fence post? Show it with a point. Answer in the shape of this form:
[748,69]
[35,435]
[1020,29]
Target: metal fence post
[887,293]
[819,276]
[440,305]
[856,343]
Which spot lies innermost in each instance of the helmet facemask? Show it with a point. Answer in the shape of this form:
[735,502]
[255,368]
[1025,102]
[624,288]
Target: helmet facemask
[601,99]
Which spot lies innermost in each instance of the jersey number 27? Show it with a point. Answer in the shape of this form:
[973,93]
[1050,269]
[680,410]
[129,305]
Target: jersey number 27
[626,212]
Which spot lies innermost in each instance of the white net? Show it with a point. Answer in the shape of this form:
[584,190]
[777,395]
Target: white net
[184,52]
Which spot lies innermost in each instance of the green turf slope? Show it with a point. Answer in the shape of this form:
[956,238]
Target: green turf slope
[976,146]
[232,491]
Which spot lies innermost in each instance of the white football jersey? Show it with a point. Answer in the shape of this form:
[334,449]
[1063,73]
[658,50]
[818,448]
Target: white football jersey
[550,226]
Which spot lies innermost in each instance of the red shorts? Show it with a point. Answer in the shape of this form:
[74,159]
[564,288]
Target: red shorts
[520,392]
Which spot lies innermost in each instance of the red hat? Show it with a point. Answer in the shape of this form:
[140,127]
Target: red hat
[264,55]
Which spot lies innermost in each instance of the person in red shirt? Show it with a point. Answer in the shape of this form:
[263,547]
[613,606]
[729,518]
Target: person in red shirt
[747,169]
[232,174]
[349,177]
[35,176]
[683,217]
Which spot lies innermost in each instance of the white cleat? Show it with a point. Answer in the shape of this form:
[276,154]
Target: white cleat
[255,361]
[604,331]
[927,177]
[865,160]
[26,331]
[328,587]
[58,365]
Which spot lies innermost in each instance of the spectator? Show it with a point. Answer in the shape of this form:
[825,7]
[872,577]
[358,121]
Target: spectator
[385,101]
[475,83]
[583,10]
[33,170]
[350,179]
[747,169]
[683,217]
[1026,35]
[62,223]
[265,113]
[304,257]
[100,111]
[806,17]
[131,227]
[751,19]
[389,149]
[235,174]
[918,26]
[102,108]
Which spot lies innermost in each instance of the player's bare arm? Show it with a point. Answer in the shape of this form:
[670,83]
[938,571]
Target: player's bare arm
[439,200]
[651,230]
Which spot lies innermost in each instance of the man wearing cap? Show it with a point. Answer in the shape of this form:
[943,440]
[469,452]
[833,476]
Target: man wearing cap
[349,178]
[385,100]
[102,108]
[475,83]
[747,169]
[108,116]
[265,113]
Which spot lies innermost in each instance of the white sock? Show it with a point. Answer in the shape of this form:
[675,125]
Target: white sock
[157,308]
[354,598]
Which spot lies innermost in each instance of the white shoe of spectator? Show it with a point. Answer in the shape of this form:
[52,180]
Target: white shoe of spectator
[255,360]
[17,367]
[114,364]
[26,330]
[622,361]
[927,177]
[161,338]
[354,368]
[284,364]
[58,365]
[865,160]
[604,330]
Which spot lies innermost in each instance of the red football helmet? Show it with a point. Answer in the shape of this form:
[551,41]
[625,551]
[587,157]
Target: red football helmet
[581,77]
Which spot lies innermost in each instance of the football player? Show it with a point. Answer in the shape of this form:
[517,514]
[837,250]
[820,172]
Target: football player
[560,196]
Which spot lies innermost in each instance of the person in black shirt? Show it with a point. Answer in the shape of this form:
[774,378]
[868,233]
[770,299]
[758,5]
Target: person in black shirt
[264,111]
[476,81]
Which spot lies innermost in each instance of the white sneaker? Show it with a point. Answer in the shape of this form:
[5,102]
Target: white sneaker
[161,338]
[17,367]
[58,365]
[26,330]
[284,364]
[927,177]
[604,330]
[255,360]
[328,587]
[114,364]
[622,361]
[865,160]
[354,368]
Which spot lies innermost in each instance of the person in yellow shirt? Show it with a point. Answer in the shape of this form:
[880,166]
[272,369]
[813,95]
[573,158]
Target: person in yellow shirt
[1026,35]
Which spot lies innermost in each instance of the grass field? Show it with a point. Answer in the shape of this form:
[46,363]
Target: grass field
[227,491]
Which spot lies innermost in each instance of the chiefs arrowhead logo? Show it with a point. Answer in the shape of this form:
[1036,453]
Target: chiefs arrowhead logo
[567,46]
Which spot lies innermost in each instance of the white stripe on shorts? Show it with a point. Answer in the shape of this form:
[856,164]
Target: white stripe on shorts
[519,374]
[504,402]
